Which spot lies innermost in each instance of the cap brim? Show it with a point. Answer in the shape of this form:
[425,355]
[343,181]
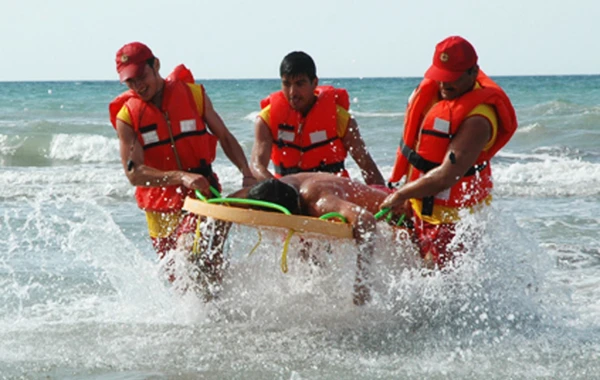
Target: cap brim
[441,75]
[131,71]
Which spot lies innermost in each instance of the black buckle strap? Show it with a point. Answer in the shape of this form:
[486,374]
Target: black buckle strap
[424,165]
[416,160]
[283,144]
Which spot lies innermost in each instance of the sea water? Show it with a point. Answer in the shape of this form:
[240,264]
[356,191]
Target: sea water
[83,295]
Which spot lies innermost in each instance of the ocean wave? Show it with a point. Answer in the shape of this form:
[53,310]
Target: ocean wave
[529,128]
[561,108]
[90,180]
[46,150]
[252,115]
[553,153]
[84,148]
[65,181]
[551,177]
[377,114]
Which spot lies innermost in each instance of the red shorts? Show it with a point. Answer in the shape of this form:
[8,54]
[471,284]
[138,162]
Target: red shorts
[433,241]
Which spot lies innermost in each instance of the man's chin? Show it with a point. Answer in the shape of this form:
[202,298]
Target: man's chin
[145,97]
[448,95]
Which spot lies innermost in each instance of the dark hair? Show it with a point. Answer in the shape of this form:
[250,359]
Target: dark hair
[298,63]
[150,61]
[275,191]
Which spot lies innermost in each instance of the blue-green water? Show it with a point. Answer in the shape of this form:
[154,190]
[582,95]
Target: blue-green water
[82,295]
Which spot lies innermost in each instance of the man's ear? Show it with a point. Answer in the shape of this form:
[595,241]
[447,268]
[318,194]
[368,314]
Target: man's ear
[156,65]
[316,82]
[475,71]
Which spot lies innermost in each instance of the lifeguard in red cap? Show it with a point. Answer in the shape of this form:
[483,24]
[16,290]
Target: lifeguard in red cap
[456,121]
[168,131]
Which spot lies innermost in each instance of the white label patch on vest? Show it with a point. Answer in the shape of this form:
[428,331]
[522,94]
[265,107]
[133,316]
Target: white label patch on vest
[318,136]
[286,135]
[150,137]
[444,195]
[441,125]
[187,125]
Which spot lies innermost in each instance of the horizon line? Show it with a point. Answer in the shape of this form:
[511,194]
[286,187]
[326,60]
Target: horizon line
[325,78]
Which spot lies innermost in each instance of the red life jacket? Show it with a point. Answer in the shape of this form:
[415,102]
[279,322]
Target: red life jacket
[311,143]
[429,126]
[195,146]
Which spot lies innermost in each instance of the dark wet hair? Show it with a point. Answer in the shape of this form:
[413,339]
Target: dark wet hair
[297,63]
[275,191]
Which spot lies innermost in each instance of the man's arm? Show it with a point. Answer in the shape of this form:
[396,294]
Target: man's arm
[471,138]
[139,174]
[261,151]
[228,142]
[355,145]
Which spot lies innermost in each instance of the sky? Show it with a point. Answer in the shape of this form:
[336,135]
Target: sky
[234,39]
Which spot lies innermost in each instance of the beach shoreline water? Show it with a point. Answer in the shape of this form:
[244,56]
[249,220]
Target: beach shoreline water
[82,294]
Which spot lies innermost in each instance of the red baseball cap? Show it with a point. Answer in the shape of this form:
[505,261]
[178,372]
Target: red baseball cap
[453,56]
[131,59]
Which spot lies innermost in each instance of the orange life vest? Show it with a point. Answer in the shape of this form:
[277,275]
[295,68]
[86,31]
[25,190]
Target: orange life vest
[429,126]
[311,143]
[195,146]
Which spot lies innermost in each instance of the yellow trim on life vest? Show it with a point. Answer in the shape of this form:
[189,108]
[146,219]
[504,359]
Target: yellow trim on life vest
[198,94]
[124,115]
[489,113]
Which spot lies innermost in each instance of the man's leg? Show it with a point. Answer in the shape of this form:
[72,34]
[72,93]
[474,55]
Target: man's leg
[362,288]
[162,229]
[205,251]
[364,231]
[434,242]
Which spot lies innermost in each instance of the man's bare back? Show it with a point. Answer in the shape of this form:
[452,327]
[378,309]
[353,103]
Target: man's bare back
[321,193]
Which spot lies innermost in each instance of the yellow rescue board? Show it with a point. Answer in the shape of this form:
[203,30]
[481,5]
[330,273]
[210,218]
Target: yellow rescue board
[256,218]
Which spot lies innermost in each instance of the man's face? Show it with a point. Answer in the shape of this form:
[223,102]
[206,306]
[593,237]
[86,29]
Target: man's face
[299,92]
[145,85]
[452,90]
